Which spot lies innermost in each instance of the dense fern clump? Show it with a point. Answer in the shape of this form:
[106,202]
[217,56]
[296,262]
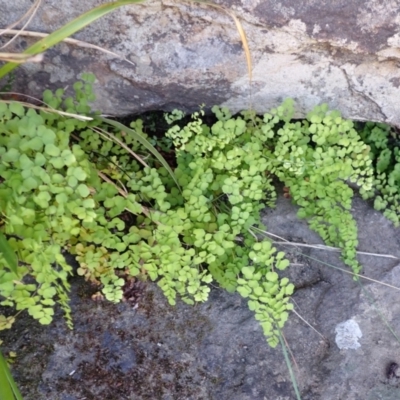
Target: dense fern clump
[97,192]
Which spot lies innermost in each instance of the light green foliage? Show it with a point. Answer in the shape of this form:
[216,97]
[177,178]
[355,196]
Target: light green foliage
[385,155]
[173,116]
[138,222]
[223,173]
[226,172]
[49,203]
[316,158]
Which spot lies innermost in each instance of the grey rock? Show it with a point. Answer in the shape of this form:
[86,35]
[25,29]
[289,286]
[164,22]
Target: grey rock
[347,335]
[216,350]
[181,55]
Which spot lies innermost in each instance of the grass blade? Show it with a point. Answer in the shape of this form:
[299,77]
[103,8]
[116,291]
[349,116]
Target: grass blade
[8,388]
[45,109]
[113,138]
[289,365]
[143,142]
[75,42]
[6,392]
[69,29]
[8,254]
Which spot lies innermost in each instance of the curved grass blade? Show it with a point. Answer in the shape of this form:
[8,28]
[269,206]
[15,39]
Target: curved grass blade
[8,254]
[6,392]
[68,30]
[8,388]
[45,109]
[143,142]
[75,42]
[110,136]
[289,365]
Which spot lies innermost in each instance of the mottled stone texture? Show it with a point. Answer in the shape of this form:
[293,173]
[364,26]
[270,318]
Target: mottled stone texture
[345,53]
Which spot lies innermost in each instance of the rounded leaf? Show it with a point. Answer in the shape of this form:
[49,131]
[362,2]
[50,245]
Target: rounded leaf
[72,181]
[52,150]
[83,190]
[272,276]
[79,173]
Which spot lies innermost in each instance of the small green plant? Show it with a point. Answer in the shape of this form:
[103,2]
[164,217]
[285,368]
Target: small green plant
[68,184]
[385,156]
[50,193]
[164,143]
[231,166]
[174,116]
[41,187]
[100,191]
[316,158]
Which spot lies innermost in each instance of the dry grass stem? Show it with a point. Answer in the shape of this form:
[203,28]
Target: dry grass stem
[75,42]
[20,58]
[291,354]
[112,137]
[306,322]
[239,28]
[321,246]
[330,248]
[46,109]
[145,210]
[30,13]
[18,95]
[365,277]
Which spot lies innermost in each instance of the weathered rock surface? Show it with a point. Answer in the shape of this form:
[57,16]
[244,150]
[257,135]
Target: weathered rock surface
[345,53]
[216,350]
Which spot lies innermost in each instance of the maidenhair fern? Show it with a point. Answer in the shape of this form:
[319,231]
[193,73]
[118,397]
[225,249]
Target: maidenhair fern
[69,184]
[385,154]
